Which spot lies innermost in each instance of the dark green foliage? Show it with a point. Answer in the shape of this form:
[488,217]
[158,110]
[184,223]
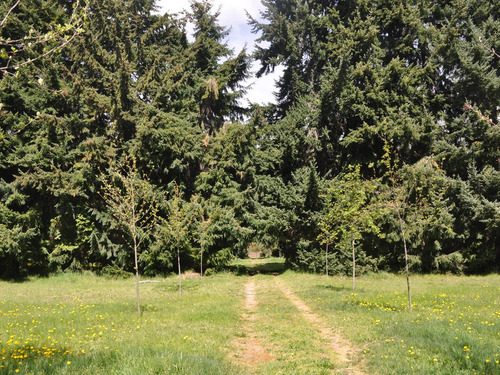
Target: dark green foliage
[225,186]
[407,91]
[126,85]
[218,84]
[295,31]
[21,251]
[287,183]
[420,76]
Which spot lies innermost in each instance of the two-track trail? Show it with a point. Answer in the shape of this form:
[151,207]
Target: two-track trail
[268,344]
[343,349]
[249,349]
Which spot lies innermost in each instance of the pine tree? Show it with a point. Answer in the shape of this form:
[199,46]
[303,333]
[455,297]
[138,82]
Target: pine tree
[40,121]
[295,32]
[218,85]
[468,146]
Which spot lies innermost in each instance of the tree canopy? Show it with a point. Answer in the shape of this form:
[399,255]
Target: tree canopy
[378,101]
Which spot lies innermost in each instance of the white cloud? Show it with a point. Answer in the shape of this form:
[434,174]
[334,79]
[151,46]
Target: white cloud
[233,15]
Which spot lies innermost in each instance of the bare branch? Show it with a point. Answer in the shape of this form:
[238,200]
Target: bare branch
[58,47]
[489,49]
[62,36]
[8,13]
[469,108]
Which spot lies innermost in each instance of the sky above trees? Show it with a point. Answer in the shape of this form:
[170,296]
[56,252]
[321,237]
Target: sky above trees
[233,15]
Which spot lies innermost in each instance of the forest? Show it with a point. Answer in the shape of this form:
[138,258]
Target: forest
[126,144]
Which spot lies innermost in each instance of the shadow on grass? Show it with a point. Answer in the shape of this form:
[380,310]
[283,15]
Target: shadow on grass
[334,288]
[172,286]
[252,267]
[14,280]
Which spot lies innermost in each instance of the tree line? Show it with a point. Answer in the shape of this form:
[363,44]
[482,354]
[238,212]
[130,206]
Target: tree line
[382,151]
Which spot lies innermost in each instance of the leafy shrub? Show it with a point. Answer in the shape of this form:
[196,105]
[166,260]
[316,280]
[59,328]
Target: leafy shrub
[414,263]
[209,272]
[453,263]
[115,272]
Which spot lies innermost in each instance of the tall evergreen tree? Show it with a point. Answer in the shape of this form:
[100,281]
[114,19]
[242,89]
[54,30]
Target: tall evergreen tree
[295,32]
[219,85]
[420,76]
[40,124]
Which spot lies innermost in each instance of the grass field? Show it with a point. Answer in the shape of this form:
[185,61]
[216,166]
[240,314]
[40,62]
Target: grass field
[82,324]
[454,327]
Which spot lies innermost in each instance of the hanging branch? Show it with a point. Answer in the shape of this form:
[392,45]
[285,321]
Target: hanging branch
[8,13]
[62,36]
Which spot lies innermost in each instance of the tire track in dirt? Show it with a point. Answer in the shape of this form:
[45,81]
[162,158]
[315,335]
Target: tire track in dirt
[249,349]
[343,349]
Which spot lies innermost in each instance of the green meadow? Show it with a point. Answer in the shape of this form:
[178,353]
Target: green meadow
[89,325]
[84,324]
[454,327]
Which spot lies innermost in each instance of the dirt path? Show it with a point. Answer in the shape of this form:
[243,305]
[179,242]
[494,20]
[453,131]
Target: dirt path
[249,349]
[250,299]
[344,350]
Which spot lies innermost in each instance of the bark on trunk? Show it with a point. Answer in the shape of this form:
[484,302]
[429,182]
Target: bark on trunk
[179,268]
[353,265]
[403,234]
[201,263]
[137,278]
[326,260]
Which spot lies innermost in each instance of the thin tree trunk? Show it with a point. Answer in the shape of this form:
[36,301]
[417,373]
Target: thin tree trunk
[137,277]
[179,268]
[353,265]
[201,262]
[326,260]
[406,258]
[134,236]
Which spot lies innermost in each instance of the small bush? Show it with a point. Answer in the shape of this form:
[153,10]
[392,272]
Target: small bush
[453,263]
[209,272]
[414,263]
[115,272]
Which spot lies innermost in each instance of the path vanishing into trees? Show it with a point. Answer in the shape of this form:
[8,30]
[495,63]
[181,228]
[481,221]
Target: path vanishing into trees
[280,331]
